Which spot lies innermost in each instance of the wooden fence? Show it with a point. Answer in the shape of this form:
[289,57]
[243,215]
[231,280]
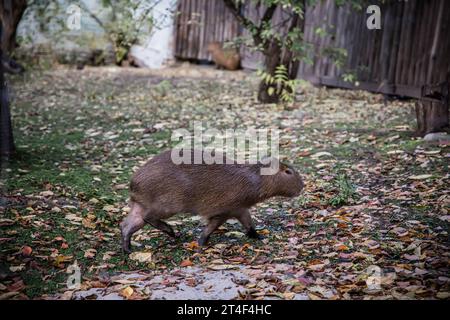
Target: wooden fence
[200,22]
[411,49]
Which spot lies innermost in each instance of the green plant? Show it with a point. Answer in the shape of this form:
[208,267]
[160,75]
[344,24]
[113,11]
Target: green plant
[349,77]
[130,21]
[124,22]
[282,42]
[346,191]
[163,88]
[280,84]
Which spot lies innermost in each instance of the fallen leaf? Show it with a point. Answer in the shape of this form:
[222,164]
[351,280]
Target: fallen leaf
[443,295]
[186,263]
[141,257]
[222,267]
[17,268]
[8,295]
[26,250]
[67,295]
[127,292]
[90,253]
[235,234]
[421,177]
[400,231]
[191,245]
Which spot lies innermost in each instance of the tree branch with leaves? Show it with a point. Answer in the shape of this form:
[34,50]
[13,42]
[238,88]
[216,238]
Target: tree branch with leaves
[131,20]
[277,43]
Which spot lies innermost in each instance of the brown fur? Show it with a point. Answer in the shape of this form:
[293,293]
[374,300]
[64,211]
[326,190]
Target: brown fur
[226,58]
[217,192]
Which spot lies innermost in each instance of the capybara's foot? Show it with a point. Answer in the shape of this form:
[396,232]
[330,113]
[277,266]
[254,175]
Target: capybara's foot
[253,234]
[126,245]
[171,233]
[202,241]
[126,249]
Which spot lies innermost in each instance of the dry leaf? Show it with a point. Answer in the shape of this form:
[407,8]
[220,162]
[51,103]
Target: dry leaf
[142,257]
[90,253]
[421,177]
[186,263]
[127,292]
[26,250]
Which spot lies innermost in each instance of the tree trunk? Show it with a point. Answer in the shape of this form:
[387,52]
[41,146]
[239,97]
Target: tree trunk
[431,117]
[11,11]
[432,112]
[272,61]
[275,56]
[6,135]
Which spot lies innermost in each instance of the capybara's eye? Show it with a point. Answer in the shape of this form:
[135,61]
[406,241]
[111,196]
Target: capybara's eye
[288,171]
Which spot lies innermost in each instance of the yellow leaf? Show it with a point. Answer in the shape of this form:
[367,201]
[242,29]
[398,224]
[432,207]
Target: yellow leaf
[87,223]
[127,292]
[289,295]
[61,259]
[192,245]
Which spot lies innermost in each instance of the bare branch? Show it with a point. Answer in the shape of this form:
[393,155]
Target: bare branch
[268,14]
[92,15]
[247,23]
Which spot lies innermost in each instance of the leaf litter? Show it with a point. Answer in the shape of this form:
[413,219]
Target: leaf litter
[372,222]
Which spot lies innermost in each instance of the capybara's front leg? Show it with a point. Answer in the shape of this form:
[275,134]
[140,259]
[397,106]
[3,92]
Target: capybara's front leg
[243,215]
[132,223]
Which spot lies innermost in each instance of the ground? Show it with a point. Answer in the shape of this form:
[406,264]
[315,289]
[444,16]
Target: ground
[372,222]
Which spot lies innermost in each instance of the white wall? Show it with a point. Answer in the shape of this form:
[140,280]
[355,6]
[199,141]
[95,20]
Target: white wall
[158,48]
[155,49]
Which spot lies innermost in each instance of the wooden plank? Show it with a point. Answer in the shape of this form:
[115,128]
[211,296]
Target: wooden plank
[397,30]
[413,52]
[404,65]
[420,42]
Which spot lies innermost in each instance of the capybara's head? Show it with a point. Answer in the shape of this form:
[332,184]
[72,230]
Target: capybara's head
[285,182]
[214,46]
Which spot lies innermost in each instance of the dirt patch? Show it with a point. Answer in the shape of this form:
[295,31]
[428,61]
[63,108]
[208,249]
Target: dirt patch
[189,283]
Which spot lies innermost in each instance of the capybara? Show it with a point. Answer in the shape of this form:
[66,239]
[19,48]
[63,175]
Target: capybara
[227,58]
[216,192]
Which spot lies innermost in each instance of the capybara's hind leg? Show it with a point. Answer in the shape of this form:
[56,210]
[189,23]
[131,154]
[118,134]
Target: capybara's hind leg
[212,225]
[132,223]
[160,225]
